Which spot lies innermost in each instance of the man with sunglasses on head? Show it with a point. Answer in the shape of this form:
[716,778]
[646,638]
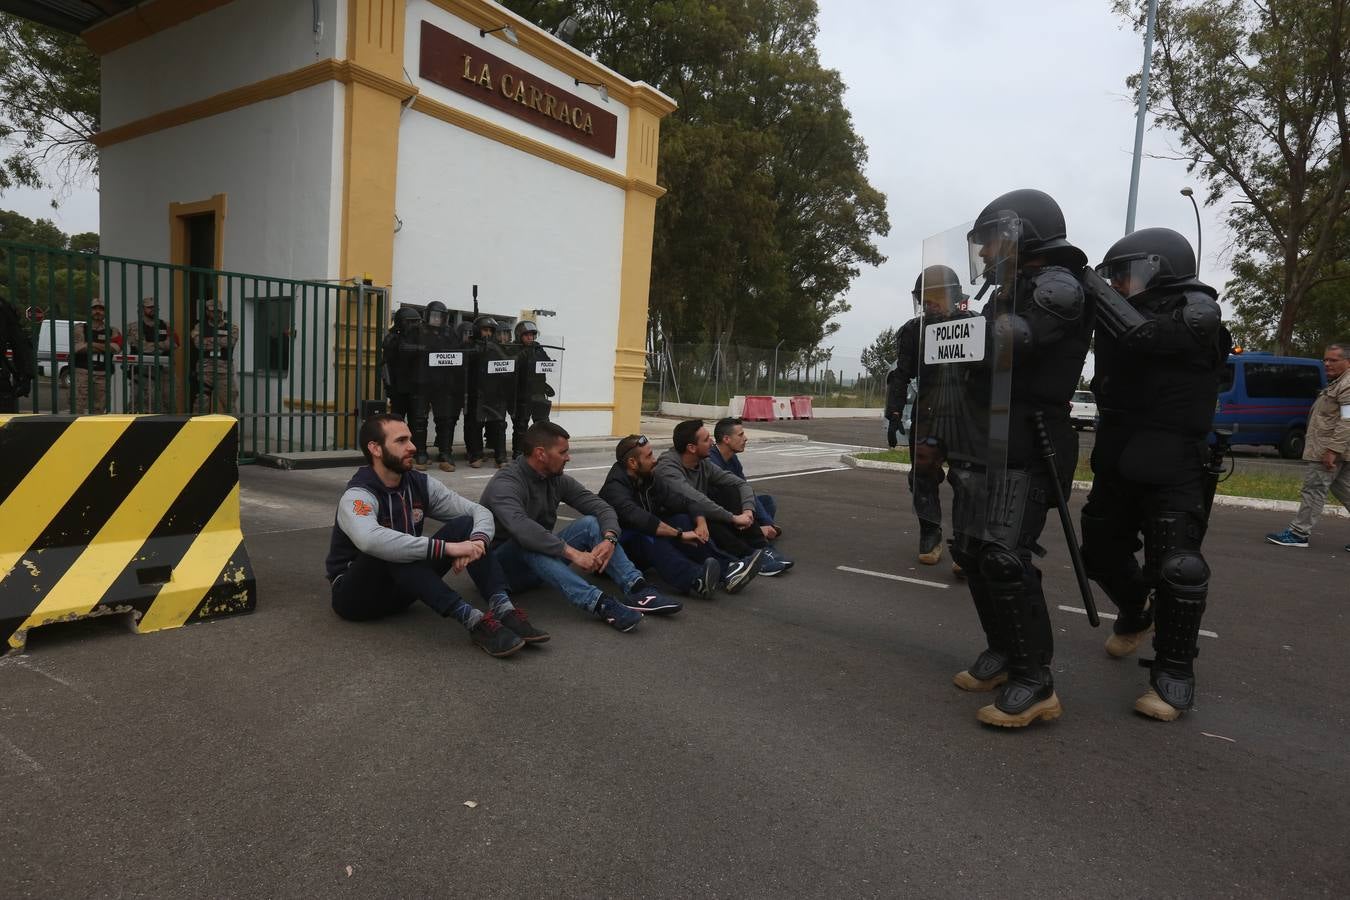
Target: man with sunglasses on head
[654,536]
[938,296]
[1159,356]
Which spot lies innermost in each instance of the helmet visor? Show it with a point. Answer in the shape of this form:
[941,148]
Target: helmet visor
[1130,275]
[992,245]
[435,318]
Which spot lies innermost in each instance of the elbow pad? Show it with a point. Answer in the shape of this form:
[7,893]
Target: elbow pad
[1201,315]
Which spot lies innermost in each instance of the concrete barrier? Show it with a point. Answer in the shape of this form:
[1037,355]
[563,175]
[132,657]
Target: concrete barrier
[105,515]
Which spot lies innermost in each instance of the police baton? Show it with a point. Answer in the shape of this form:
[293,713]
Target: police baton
[1075,555]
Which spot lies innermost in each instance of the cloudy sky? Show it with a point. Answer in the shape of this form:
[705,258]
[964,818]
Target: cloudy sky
[960,101]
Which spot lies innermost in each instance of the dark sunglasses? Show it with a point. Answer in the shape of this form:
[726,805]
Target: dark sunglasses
[641,441]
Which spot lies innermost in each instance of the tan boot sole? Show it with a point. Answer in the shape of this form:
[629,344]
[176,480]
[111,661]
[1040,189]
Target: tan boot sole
[932,556]
[1048,709]
[1155,707]
[1119,646]
[446,467]
[968,682]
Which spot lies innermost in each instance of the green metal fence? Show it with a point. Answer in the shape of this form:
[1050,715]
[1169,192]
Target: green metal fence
[291,359]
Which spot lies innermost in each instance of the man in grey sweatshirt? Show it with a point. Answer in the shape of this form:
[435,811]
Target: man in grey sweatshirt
[523,498]
[379,561]
[690,482]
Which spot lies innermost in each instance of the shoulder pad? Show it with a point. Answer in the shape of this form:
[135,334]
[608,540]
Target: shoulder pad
[1201,314]
[1056,290]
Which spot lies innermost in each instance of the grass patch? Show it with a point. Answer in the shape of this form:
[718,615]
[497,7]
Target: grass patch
[1261,485]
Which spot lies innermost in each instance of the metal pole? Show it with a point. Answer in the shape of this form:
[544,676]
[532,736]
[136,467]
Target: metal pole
[774,389]
[1139,120]
[1190,195]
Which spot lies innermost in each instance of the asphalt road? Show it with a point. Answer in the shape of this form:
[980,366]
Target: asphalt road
[800,739]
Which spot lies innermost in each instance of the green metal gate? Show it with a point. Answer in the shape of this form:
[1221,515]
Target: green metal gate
[291,359]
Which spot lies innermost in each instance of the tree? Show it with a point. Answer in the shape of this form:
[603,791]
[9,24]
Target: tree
[50,271]
[879,356]
[1256,92]
[49,106]
[769,215]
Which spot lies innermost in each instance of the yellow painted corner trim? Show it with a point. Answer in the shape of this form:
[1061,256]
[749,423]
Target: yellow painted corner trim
[143,20]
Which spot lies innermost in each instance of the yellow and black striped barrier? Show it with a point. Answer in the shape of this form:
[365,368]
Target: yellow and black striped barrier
[101,515]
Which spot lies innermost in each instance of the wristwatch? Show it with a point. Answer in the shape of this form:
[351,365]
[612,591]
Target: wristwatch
[612,538]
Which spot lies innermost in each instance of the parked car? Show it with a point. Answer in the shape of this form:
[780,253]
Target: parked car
[1264,400]
[53,347]
[1083,410]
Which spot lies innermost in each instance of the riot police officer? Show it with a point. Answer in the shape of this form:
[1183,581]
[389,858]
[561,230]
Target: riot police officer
[405,362]
[1156,380]
[938,297]
[16,359]
[492,384]
[1040,317]
[532,388]
[445,380]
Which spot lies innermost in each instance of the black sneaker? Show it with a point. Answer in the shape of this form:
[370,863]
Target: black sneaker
[517,621]
[643,598]
[779,558]
[616,615]
[705,585]
[742,572]
[493,638]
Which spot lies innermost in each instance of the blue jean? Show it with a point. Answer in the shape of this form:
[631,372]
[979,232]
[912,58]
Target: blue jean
[766,509]
[526,569]
[678,563]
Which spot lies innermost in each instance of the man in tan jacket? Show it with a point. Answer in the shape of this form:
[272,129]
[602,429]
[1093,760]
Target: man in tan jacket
[1327,450]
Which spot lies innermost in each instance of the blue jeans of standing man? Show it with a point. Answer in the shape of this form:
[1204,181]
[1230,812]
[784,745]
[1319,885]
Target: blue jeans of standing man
[526,569]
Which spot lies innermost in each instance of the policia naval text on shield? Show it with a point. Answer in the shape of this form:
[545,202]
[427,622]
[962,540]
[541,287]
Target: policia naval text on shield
[959,340]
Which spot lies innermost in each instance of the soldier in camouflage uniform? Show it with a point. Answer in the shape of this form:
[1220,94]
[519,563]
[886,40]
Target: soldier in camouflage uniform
[93,346]
[150,339]
[214,340]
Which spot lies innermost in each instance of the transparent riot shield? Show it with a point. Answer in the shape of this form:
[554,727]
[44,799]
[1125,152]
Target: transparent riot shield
[497,396]
[960,418]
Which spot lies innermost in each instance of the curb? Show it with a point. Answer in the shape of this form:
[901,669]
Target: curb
[1335,512]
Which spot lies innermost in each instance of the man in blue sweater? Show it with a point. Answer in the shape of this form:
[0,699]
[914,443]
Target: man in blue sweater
[379,561]
[729,440]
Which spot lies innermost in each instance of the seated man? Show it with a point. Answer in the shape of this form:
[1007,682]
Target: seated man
[524,498]
[686,476]
[729,440]
[654,536]
[379,562]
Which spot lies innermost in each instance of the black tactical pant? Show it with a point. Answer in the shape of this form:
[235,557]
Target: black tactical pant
[525,415]
[445,409]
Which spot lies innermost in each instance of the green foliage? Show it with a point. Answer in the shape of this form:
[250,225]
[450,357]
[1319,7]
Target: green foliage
[769,216]
[1256,91]
[49,105]
[59,275]
[879,356]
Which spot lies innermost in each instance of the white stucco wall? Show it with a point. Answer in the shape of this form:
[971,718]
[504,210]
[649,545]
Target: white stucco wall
[528,233]
[419,10]
[231,46]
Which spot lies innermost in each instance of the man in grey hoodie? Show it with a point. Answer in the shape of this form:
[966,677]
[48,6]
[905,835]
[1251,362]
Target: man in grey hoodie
[690,482]
[379,561]
[524,498]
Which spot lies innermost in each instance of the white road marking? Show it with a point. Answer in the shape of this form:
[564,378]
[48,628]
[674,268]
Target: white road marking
[1112,617]
[890,577]
[795,474]
[25,763]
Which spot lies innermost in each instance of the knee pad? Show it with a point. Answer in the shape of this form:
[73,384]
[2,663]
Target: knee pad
[999,564]
[1185,572]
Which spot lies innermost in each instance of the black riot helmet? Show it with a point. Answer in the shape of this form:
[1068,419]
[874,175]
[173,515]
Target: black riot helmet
[436,317]
[484,323]
[937,292]
[1028,219]
[524,327]
[1148,258]
[466,332]
[406,317]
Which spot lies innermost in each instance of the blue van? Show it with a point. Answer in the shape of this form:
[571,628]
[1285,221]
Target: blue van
[1265,399]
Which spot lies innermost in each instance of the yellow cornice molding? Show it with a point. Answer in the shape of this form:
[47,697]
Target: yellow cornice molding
[143,20]
[268,89]
[547,49]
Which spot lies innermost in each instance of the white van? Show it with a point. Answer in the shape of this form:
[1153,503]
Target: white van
[58,361]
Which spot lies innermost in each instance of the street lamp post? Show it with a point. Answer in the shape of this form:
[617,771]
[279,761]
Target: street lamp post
[1140,116]
[1190,195]
[774,389]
